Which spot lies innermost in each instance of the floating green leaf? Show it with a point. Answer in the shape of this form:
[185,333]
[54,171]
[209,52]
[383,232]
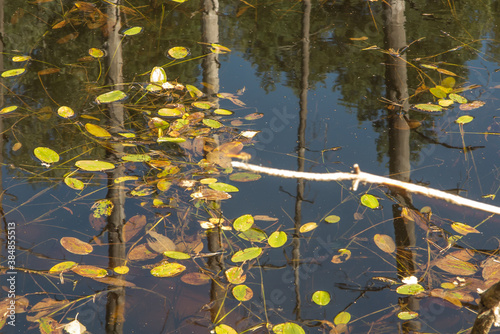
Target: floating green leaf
[235,275]
[202,105]
[13,73]
[74,183]
[464,119]
[170,140]
[177,255]
[46,155]
[246,254]
[438,92]
[407,315]
[89,271]
[244,177]
[97,130]
[109,97]
[342,318]
[243,223]
[242,293]
[63,266]
[410,289]
[7,110]
[224,329]
[219,186]
[127,134]
[142,190]
[370,201]
[223,112]
[102,207]
[132,31]
[170,112]
[321,298]
[136,157]
[457,98]
[332,219]
[445,103]
[168,270]
[429,107]
[96,53]
[212,123]
[94,165]
[288,328]
[76,246]
[385,243]
[65,112]
[277,239]
[178,52]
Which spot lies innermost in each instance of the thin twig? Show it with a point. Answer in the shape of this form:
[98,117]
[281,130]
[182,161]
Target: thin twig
[359,176]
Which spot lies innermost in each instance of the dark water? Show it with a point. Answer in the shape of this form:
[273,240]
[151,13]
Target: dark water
[324,90]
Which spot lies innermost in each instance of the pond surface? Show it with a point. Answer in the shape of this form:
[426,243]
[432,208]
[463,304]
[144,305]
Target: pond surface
[300,86]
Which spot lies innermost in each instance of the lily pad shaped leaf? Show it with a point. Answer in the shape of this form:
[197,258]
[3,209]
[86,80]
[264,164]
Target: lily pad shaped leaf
[246,254]
[235,275]
[74,183]
[46,155]
[219,186]
[7,110]
[288,328]
[168,270]
[224,329]
[13,73]
[277,239]
[96,53]
[212,123]
[132,31]
[94,165]
[76,246]
[65,112]
[407,315]
[321,298]
[109,97]
[63,266]
[177,255]
[342,318]
[243,223]
[332,219]
[410,289]
[90,271]
[464,119]
[253,234]
[370,201]
[121,270]
[244,177]
[429,107]
[242,293]
[97,131]
[178,52]
[195,278]
[457,98]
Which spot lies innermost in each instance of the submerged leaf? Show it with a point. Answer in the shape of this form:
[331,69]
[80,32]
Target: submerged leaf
[385,243]
[65,112]
[253,234]
[244,177]
[7,110]
[178,52]
[160,243]
[332,219]
[195,279]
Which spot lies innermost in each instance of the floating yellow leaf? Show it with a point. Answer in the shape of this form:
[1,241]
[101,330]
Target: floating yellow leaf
[63,266]
[46,155]
[76,246]
[342,318]
[243,223]
[308,227]
[90,271]
[121,270]
[65,112]
[178,52]
[321,298]
[463,229]
[370,201]
[94,165]
[235,275]
[168,270]
[242,293]
[97,131]
[7,110]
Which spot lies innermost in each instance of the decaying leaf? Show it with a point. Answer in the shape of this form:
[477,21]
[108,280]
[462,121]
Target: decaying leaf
[160,243]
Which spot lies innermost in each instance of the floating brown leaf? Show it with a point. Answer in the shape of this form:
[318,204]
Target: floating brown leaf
[160,243]
[76,246]
[47,306]
[455,266]
[385,243]
[141,252]
[114,281]
[195,279]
